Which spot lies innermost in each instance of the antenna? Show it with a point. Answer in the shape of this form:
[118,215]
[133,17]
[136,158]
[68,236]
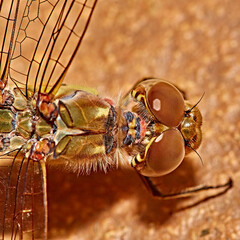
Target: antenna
[188,145]
[189,110]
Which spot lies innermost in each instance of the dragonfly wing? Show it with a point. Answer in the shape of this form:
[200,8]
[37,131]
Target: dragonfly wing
[47,41]
[48,35]
[9,13]
[23,202]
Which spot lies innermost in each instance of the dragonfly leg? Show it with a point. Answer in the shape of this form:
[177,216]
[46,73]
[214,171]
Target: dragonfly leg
[184,193]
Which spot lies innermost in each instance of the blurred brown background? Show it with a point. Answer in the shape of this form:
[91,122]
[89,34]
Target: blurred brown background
[195,45]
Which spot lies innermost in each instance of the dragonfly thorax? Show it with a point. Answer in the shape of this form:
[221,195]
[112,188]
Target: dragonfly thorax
[19,122]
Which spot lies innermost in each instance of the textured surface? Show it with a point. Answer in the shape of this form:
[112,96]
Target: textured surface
[195,45]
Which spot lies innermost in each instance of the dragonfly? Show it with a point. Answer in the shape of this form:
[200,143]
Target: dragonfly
[151,129]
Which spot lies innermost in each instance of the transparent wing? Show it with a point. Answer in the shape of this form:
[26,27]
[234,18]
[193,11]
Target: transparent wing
[50,34]
[23,199]
[21,182]
[8,20]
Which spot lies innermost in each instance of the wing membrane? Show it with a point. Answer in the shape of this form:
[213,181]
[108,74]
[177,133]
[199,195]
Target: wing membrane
[48,35]
[48,39]
[23,206]
[8,18]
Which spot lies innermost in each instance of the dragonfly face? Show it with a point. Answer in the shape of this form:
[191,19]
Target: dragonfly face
[169,127]
[43,121]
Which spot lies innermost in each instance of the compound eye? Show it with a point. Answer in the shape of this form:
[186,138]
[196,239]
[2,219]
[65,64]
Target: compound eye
[166,103]
[165,154]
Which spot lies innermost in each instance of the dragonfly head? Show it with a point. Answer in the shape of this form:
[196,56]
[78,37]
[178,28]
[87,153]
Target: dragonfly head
[176,127]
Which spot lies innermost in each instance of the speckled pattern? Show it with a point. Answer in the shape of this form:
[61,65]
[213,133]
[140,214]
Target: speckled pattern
[195,45]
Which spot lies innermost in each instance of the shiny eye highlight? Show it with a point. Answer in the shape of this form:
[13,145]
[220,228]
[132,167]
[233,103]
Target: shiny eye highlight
[166,103]
[164,154]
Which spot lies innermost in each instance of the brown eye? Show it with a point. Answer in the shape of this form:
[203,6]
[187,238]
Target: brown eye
[166,103]
[165,154]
